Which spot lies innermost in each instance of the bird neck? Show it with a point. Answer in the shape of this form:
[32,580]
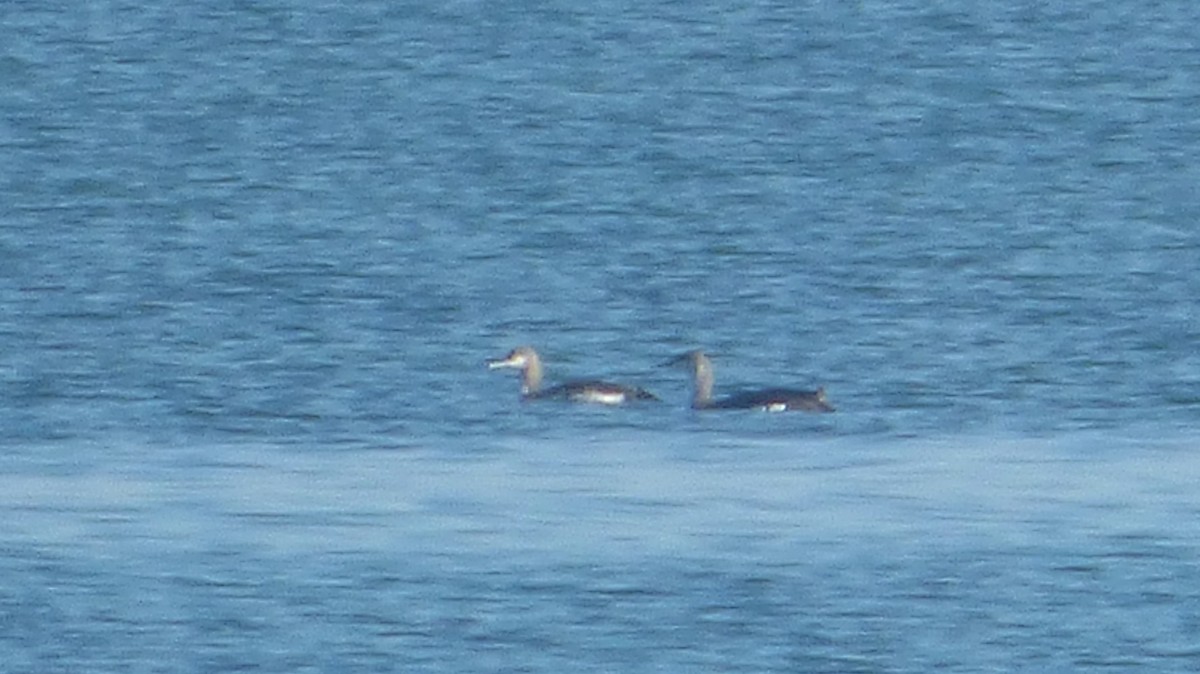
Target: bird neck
[702,381]
[531,376]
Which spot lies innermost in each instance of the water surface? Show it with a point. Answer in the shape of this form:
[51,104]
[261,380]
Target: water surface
[254,259]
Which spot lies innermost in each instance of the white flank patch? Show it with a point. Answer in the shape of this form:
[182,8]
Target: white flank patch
[601,397]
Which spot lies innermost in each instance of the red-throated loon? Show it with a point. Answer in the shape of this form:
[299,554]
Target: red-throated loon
[580,391]
[771,399]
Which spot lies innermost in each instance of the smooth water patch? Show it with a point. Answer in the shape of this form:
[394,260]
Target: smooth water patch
[636,551]
[614,492]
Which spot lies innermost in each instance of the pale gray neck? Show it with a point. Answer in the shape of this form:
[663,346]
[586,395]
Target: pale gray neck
[702,380]
[531,375]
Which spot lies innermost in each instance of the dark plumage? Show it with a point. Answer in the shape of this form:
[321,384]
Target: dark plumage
[771,400]
[577,391]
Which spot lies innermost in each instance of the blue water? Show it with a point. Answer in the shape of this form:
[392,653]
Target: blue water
[254,255]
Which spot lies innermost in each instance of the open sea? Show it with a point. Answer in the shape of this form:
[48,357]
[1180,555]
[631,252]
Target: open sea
[254,255]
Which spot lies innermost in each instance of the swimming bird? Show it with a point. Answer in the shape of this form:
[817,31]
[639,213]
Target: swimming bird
[770,400]
[579,391]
